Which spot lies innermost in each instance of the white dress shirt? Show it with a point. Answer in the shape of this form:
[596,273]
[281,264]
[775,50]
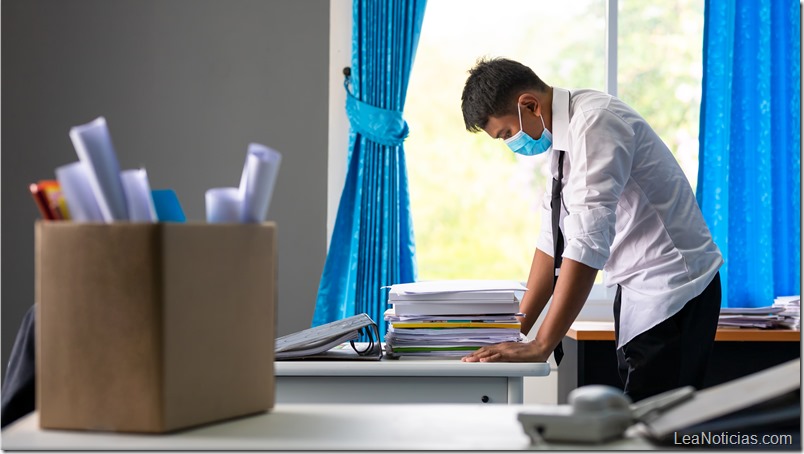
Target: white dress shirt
[627,209]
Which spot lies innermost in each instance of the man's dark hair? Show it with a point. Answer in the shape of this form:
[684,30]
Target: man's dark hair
[492,88]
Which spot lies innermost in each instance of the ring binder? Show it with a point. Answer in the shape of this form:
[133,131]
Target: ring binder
[318,342]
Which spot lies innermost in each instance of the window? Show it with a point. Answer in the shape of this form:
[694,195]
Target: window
[660,68]
[474,203]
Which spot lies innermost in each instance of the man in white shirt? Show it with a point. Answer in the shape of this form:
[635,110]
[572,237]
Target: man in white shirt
[623,205]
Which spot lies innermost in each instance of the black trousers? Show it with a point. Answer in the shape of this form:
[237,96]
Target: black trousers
[675,352]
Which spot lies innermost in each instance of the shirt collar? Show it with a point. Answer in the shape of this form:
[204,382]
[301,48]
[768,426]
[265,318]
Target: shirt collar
[561,98]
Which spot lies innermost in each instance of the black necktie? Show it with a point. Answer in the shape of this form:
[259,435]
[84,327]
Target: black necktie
[558,238]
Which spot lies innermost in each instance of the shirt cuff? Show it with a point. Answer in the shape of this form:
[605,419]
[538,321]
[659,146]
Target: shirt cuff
[545,245]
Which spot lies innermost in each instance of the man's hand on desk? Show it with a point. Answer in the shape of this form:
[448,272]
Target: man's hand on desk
[508,352]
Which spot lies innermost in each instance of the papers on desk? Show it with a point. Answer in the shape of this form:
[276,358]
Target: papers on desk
[784,313]
[451,318]
[453,289]
[444,343]
[455,297]
[791,310]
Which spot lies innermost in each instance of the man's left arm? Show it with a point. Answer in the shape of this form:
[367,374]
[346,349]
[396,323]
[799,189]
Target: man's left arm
[572,289]
[574,284]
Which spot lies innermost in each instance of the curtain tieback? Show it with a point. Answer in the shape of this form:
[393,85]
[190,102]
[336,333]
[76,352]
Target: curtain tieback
[383,126]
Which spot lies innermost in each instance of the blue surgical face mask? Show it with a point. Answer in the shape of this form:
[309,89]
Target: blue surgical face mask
[526,145]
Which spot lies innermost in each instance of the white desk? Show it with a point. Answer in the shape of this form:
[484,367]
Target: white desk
[330,427]
[403,380]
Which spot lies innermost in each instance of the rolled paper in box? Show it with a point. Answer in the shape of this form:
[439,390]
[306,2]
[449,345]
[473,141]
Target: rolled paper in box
[223,205]
[257,182]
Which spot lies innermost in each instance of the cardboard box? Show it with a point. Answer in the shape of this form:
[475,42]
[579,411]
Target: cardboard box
[153,327]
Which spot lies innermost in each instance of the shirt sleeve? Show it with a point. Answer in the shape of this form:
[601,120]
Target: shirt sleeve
[601,153]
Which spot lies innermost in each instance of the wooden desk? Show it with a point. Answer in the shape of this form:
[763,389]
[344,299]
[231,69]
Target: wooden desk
[590,356]
[404,380]
[328,427]
[604,331]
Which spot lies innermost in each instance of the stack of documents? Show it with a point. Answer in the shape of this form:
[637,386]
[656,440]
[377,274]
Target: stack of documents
[752,317]
[451,318]
[791,312]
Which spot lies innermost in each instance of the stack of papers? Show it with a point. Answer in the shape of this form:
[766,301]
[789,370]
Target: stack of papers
[451,318]
[791,312]
[752,317]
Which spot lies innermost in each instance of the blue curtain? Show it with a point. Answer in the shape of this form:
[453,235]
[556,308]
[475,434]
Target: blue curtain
[750,146]
[372,243]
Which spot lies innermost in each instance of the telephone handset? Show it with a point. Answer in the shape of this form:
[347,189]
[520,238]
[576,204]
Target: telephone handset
[596,413]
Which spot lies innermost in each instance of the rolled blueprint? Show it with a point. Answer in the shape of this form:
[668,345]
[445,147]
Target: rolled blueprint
[93,143]
[77,192]
[223,205]
[138,195]
[257,182]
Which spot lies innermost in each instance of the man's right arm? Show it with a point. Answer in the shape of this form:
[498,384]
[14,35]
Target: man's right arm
[540,289]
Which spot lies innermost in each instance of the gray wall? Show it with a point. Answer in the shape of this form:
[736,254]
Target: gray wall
[184,85]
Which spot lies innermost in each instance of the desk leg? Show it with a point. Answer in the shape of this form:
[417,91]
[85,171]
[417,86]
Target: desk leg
[516,386]
[568,369]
